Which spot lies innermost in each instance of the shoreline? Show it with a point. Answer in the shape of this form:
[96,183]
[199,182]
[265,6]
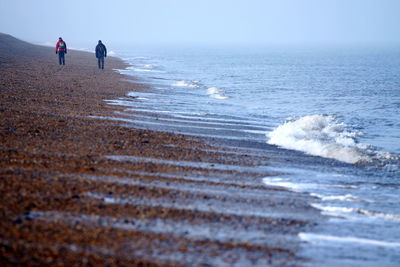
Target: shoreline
[78,190]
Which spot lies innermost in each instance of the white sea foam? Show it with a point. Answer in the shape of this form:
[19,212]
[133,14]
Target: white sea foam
[381,215]
[139,70]
[143,68]
[347,197]
[344,212]
[216,93]
[302,187]
[320,135]
[316,238]
[345,186]
[281,182]
[332,211]
[192,115]
[192,84]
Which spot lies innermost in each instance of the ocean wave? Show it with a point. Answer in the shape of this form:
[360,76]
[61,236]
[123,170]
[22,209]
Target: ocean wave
[141,70]
[320,135]
[148,66]
[347,197]
[281,182]
[343,211]
[301,187]
[144,68]
[317,238]
[192,84]
[216,93]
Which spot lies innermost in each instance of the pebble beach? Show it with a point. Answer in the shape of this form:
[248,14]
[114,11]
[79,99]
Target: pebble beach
[78,190]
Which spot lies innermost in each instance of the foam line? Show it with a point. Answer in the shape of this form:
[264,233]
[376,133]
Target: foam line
[190,187]
[316,238]
[195,120]
[193,164]
[198,231]
[203,205]
[339,211]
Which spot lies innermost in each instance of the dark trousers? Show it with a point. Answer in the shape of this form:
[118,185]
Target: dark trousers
[100,60]
[61,57]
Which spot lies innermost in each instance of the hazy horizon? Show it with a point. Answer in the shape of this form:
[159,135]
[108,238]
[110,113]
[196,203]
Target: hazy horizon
[257,22]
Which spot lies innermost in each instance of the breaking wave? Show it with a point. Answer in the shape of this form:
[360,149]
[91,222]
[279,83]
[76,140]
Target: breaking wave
[342,211]
[216,93]
[320,135]
[192,84]
[144,68]
[317,238]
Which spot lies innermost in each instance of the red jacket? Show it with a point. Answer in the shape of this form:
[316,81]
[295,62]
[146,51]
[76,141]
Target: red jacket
[61,46]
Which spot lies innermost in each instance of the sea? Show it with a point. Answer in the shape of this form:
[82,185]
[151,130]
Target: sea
[327,116]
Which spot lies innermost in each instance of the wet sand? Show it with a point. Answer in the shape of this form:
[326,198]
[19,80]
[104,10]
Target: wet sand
[76,190]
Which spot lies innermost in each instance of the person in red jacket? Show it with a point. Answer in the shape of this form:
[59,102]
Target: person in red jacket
[61,50]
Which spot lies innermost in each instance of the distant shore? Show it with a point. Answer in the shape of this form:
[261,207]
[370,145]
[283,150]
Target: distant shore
[74,190]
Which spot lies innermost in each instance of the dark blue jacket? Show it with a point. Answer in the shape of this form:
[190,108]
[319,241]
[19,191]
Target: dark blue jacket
[101,50]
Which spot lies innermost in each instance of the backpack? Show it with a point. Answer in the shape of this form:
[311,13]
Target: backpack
[61,45]
[100,50]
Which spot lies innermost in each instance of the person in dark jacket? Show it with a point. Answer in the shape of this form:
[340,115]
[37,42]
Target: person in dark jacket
[101,53]
[61,50]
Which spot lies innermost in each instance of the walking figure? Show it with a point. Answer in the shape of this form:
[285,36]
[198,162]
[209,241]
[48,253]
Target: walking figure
[101,53]
[61,50]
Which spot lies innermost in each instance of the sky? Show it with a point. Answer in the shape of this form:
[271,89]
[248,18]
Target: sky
[203,21]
